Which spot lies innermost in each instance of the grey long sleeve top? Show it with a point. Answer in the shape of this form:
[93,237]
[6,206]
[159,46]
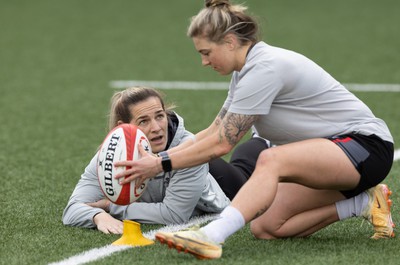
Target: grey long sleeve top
[170,198]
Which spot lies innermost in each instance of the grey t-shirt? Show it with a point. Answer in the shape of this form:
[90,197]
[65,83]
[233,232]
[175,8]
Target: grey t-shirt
[297,99]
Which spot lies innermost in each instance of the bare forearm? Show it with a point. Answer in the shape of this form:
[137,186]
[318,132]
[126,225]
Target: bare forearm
[218,140]
[201,152]
[198,137]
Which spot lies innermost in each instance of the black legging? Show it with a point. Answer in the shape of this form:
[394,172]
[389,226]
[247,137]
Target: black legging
[231,176]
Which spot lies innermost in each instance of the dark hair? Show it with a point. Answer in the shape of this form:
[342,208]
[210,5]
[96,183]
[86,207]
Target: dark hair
[220,17]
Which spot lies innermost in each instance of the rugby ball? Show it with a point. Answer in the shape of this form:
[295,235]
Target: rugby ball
[121,144]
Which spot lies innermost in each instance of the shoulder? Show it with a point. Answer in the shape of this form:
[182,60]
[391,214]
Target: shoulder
[179,134]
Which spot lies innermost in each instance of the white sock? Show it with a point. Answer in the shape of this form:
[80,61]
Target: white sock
[352,207]
[229,221]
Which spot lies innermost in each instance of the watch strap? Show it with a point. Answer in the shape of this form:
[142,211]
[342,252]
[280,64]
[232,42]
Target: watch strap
[165,161]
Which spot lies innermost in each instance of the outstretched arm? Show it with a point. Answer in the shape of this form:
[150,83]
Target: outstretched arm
[223,137]
[217,140]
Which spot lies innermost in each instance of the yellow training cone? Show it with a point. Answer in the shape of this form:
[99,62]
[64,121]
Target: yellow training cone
[132,235]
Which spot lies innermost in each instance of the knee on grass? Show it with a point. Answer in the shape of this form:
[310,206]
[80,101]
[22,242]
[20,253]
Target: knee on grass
[261,232]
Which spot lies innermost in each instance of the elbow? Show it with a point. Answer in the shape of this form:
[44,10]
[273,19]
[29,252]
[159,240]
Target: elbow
[220,145]
[66,220]
[179,219]
[68,217]
[223,149]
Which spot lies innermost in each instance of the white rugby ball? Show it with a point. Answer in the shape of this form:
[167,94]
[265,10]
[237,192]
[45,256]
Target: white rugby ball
[121,144]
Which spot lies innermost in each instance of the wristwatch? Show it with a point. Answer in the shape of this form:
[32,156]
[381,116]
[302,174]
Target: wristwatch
[165,161]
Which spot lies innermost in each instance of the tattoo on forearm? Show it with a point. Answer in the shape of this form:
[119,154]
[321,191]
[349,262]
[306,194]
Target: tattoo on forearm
[236,125]
[220,116]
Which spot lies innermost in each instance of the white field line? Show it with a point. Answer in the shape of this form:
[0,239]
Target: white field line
[121,84]
[396,155]
[102,252]
[99,253]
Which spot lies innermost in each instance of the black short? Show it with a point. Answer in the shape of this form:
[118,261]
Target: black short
[371,156]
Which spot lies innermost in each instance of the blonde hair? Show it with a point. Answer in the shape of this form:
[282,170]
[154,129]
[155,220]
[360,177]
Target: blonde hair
[122,101]
[220,17]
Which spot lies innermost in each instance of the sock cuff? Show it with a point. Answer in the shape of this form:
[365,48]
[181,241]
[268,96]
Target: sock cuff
[233,214]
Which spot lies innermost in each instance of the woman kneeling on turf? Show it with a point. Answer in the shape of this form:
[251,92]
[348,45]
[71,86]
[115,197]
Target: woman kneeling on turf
[330,146]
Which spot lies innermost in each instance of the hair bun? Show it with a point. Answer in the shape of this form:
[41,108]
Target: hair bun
[216,3]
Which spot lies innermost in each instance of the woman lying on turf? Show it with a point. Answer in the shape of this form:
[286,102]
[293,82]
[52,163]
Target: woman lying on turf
[171,197]
[330,146]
